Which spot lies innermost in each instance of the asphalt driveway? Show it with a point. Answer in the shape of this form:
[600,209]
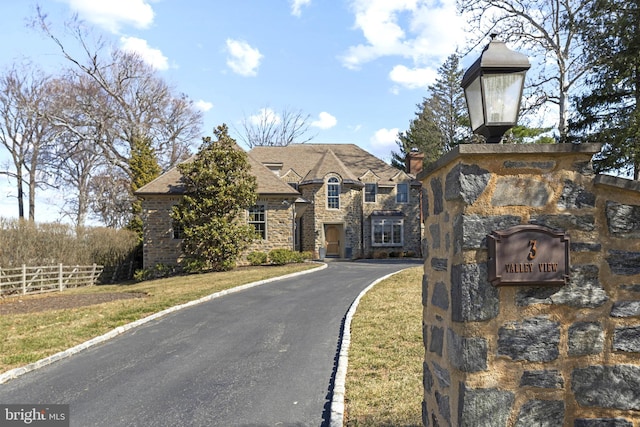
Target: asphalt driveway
[264,356]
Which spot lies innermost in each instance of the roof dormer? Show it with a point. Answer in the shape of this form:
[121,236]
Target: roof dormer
[369,177]
[275,167]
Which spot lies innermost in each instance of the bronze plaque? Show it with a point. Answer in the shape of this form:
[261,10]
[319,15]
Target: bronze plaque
[528,255]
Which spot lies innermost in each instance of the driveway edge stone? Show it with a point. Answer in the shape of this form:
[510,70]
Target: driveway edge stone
[16,372]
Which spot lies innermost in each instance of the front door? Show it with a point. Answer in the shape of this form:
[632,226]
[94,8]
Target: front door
[332,239]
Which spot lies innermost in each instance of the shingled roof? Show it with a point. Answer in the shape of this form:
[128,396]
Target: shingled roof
[314,161]
[310,161]
[170,182]
[329,163]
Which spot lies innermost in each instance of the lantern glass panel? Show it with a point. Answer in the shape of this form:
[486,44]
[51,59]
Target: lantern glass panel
[474,104]
[502,96]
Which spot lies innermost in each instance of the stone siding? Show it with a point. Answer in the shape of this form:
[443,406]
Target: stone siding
[308,231]
[354,216]
[530,355]
[385,201]
[279,217]
[318,214]
[159,245]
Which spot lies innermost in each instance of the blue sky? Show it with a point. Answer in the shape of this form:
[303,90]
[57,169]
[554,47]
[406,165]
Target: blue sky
[357,67]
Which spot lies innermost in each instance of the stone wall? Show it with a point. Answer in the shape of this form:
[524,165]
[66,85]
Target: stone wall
[279,217]
[355,218]
[160,246]
[530,355]
[386,200]
[317,215]
[308,231]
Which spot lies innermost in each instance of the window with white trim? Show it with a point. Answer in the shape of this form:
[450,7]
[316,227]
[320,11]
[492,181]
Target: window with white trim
[333,193]
[402,193]
[370,192]
[258,218]
[387,232]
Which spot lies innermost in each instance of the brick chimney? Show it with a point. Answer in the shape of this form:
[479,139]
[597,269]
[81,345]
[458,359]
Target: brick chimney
[413,161]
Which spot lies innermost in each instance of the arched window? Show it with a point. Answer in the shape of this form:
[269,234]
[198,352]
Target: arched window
[333,193]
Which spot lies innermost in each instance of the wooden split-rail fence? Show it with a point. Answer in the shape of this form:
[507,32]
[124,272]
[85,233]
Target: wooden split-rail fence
[34,280]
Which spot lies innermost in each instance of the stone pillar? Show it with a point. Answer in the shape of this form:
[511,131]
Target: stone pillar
[530,355]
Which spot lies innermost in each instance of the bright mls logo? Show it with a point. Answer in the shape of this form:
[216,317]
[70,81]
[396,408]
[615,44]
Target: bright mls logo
[34,415]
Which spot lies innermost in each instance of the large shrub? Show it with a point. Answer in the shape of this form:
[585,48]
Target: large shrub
[219,190]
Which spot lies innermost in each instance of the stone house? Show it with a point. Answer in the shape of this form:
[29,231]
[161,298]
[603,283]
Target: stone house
[334,200]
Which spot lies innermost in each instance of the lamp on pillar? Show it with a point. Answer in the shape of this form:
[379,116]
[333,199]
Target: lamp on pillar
[493,88]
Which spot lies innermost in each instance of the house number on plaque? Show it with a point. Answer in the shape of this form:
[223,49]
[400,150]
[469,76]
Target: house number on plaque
[533,251]
[528,255]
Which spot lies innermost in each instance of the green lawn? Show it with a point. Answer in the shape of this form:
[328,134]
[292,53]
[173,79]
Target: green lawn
[384,375]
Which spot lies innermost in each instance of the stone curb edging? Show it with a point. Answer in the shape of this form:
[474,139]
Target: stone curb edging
[14,373]
[337,401]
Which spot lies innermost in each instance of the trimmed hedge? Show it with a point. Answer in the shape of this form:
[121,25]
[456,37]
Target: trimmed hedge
[257,258]
[287,256]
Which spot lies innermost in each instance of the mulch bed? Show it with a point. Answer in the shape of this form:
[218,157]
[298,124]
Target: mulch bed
[33,304]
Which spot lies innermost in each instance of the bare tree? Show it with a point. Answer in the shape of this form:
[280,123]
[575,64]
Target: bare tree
[268,128]
[110,197]
[548,29]
[140,105]
[109,99]
[80,115]
[76,171]
[182,125]
[24,132]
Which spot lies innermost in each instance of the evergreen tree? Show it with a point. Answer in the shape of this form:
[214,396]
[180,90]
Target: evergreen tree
[441,120]
[144,168]
[609,112]
[220,188]
[423,135]
[527,135]
[449,105]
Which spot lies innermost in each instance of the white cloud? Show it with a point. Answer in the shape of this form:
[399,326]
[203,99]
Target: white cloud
[113,14]
[385,138]
[243,59]
[203,105]
[151,56]
[296,6]
[422,31]
[413,78]
[383,142]
[378,20]
[439,30]
[325,121]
